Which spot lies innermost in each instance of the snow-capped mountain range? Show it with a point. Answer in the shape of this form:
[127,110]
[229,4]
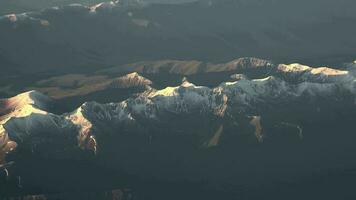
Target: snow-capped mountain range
[27,120]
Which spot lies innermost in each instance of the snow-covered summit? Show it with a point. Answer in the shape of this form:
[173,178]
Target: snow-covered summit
[24,104]
[307,73]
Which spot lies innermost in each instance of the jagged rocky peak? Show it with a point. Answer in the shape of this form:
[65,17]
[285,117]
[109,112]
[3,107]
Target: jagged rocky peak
[130,80]
[257,93]
[249,91]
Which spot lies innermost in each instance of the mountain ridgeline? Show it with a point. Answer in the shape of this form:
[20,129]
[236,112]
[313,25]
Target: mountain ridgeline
[186,133]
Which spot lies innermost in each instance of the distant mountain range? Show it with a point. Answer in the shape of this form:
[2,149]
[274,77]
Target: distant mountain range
[76,38]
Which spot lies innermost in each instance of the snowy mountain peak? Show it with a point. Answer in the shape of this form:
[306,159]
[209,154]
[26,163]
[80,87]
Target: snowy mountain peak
[319,74]
[33,98]
[298,68]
